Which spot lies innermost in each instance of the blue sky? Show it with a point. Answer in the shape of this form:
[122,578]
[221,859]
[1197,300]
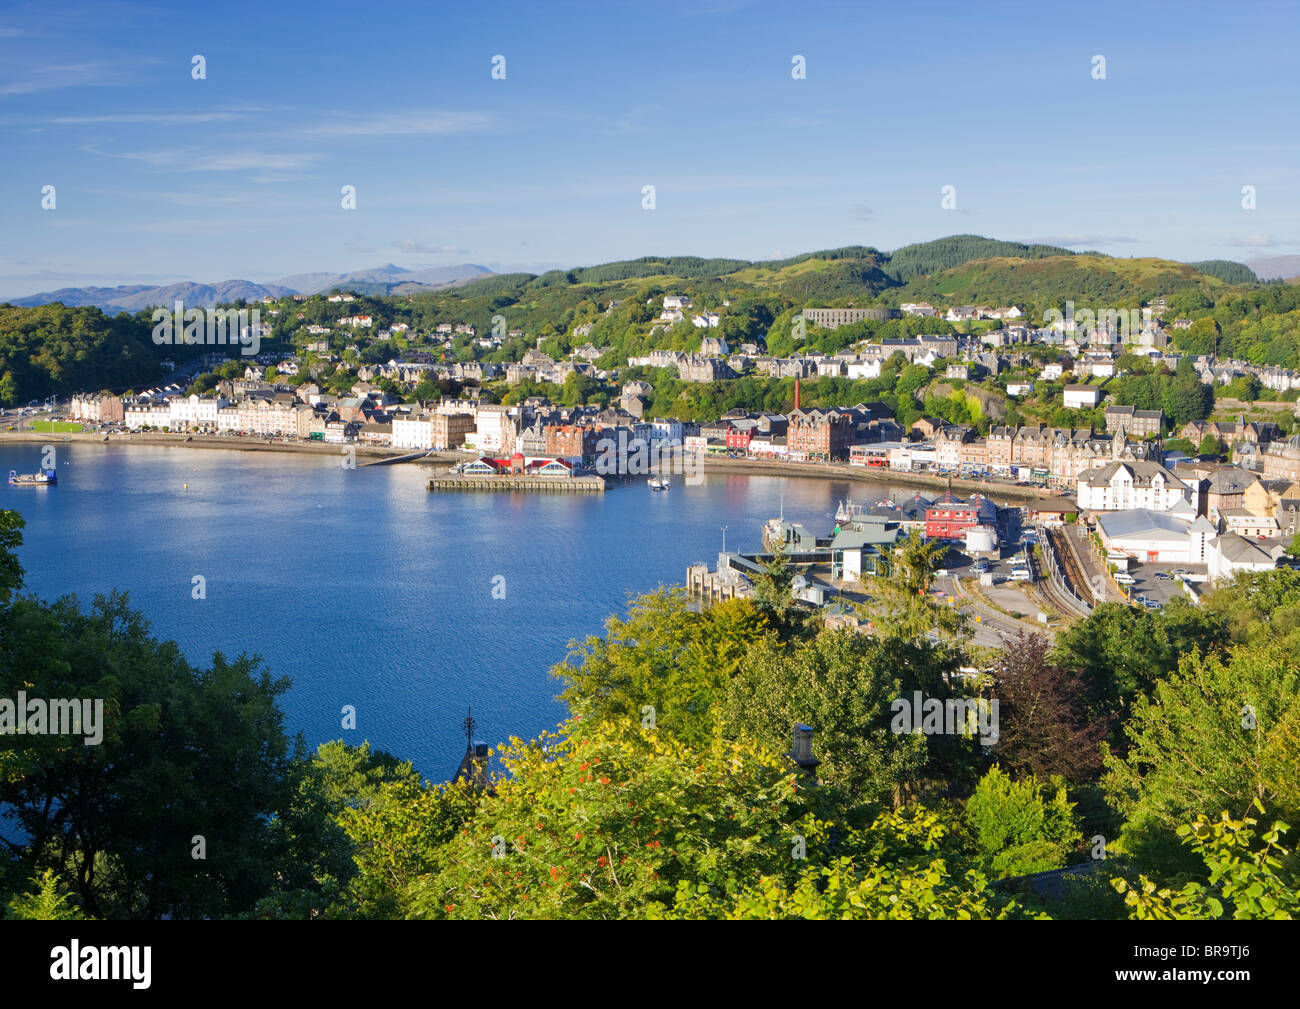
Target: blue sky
[160,177]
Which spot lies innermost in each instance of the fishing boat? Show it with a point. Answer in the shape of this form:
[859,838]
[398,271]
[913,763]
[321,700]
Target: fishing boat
[656,483]
[41,479]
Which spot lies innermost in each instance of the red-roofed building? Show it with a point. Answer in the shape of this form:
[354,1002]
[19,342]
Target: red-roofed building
[949,517]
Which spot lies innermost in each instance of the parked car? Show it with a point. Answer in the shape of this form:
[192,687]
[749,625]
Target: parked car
[1021,575]
[1164,576]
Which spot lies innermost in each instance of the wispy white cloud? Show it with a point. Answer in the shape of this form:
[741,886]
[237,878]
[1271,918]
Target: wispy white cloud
[1259,241]
[152,118]
[67,75]
[426,122]
[409,245]
[199,159]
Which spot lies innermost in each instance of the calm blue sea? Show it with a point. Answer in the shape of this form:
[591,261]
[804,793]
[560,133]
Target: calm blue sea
[367,590]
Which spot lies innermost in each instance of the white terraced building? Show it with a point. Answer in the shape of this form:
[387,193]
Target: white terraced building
[195,411]
[1123,486]
[141,415]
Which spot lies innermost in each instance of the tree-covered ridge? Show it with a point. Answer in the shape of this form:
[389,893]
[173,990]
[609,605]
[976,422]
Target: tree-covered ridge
[1037,285]
[55,350]
[947,253]
[1226,270]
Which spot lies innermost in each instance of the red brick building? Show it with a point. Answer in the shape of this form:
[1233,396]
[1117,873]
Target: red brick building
[819,435]
[576,441]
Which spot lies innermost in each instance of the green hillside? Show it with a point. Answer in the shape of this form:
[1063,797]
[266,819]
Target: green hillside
[1039,284]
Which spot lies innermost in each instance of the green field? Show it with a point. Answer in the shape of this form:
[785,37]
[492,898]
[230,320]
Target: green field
[55,426]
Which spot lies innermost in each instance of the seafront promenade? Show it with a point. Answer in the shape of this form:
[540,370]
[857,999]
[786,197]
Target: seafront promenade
[712,464]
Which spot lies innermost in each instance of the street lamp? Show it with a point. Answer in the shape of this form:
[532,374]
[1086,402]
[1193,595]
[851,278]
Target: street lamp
[724,539]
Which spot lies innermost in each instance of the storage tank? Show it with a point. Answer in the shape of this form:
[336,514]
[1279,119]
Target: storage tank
[981,540]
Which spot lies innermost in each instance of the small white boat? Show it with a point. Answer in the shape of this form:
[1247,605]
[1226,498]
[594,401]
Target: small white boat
[657,484]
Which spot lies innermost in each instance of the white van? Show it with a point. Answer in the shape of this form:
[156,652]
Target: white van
[1124,578]
[1021,575]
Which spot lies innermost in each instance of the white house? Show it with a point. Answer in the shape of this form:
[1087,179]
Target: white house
[1122,486]
[195,411]
[1052,371]
[414,431]
[1081,397]
[1019,388]
[865,367]
[677,301]
[1231,553]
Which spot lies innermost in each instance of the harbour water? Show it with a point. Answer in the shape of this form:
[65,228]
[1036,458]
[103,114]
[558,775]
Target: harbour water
[367,590]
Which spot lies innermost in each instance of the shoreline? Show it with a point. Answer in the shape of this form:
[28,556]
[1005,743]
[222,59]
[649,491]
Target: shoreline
[215,442]
[742,467]
[861,474]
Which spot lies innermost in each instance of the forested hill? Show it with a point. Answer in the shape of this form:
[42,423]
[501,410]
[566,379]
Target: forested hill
[56,350]
[53,349]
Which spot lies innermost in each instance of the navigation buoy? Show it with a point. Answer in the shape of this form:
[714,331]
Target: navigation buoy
[187,486]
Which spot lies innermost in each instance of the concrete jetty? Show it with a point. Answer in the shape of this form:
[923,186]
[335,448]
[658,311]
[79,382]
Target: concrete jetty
[536,484]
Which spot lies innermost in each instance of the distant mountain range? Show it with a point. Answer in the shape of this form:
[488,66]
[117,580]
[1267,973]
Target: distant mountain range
[387,279]
[1272,267]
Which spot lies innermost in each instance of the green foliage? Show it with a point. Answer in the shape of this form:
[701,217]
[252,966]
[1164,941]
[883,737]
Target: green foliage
[11,538]
[1259,606]
[1221,731]
[185,751]
[1018,828]
[1226,270]
[1247,880]
[841,683]
[945,253]
[55,350]
[904,870]
[664,655]
[601,822]
[1119,651]
[47,901]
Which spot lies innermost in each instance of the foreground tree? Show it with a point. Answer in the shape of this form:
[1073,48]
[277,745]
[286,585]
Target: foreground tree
[600,822]
[169,814]
[1249,876]
[1045,727]
[905,867]
[665,656]
[842,684]
[1219,733]
[1020,826]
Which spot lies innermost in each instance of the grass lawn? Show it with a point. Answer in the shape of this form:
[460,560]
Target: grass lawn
[55,426]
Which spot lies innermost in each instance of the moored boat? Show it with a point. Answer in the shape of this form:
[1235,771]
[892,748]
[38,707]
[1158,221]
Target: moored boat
[41,479]
[657,484]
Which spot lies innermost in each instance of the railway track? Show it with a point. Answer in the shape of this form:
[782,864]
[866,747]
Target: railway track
[1071,573]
